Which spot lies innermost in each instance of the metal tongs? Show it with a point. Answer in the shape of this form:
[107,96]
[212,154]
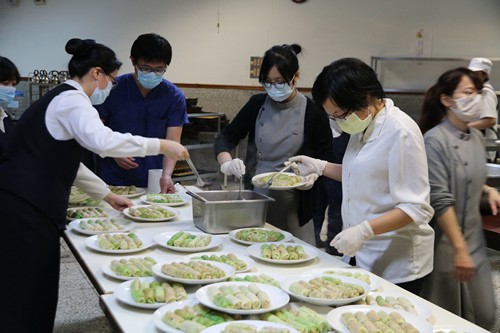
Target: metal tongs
[270,181]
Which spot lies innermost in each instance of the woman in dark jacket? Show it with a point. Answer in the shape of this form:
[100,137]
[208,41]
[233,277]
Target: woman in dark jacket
[279,124]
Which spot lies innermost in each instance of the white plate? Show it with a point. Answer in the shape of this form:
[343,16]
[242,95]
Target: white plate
[375,281]
[162,239]
[92,243]
[277,297]
[254,251]
[107,270]
[249,261]
[229,270]
[172,204]
[258,324]
[277,277]
[75,225]
[122,293]
[137,218]
[110,213]
[285,285]
[257,183]
[334,320]
[423,310]
[232,234]
[158,314]
[139,191]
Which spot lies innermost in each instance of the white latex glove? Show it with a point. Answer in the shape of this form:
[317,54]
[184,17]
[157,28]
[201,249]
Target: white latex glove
[350,240]
[309,182]
[234,167]
[307,165]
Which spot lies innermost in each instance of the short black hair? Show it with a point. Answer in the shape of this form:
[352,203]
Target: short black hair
[88,54]
[284,57]
[347,82]
[8,71]
[151,47]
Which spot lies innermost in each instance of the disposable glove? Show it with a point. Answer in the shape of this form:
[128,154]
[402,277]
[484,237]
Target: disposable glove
[234,167]
[350,240]
[307,165]
[309,182]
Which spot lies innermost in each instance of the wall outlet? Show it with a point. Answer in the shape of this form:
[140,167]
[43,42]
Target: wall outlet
[40,2]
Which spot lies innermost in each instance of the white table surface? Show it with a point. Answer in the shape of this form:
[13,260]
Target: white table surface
[131,319]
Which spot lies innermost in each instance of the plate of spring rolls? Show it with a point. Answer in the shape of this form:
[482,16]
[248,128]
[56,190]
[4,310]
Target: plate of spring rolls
[398,301]
[271,279]
[129,268]
[304,318]
[166,199]
[150,213]
[94,226]
[250,326]
[188,316]
[282,252]
[150,293]
[118,243]
[242,297]
[193,271]
[252,236]
[239,262]
[364,318]
[325,289]
[358,273]
[187,241]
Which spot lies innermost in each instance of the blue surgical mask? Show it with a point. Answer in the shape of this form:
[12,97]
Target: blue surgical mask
[279,94]
[7,94]
[149,80]
[99,96]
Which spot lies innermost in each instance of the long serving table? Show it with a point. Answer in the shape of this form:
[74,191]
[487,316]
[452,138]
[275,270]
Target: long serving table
[131,319]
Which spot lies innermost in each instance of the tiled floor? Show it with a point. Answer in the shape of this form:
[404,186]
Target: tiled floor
[79,312]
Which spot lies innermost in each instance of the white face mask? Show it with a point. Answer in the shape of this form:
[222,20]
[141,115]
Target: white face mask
[99,96]
[352,124]
[468,108]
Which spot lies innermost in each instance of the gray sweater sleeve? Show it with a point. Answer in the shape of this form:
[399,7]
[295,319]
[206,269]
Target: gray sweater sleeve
[441,171]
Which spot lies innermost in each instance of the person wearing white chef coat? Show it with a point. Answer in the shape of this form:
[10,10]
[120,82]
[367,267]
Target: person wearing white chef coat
[41,163]
[385,208]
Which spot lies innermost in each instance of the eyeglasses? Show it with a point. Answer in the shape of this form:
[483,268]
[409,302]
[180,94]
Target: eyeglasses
[147,69]
[341,117]
[278,85]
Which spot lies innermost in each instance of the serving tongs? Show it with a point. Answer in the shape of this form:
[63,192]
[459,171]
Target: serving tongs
[270,181]
[200,182]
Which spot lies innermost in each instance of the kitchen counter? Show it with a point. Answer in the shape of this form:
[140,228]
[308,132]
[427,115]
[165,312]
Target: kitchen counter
[130,319]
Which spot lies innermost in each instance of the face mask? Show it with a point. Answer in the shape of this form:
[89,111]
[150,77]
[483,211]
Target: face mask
[99,96]
[7,94]
[468,108]
[352,124]
[149,80]
[279,95]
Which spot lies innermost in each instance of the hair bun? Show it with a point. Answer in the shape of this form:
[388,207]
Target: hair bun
[79,47]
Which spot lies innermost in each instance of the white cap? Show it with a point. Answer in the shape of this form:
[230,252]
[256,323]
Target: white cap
[481,64]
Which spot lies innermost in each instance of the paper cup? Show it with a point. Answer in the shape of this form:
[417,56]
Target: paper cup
[154,180]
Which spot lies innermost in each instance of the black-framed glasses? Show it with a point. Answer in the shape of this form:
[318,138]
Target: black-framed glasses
[148,69]
[278,85]
[341,117]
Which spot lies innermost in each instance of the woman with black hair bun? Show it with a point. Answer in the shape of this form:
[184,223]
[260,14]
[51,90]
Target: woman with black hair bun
[279,124]
[41,162]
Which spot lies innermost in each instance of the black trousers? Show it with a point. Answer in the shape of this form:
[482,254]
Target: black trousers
[30,249]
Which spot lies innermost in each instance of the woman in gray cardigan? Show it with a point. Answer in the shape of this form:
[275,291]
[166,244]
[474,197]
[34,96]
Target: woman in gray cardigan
[461,279]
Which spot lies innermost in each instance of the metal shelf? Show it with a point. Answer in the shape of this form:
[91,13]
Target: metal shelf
[376,60]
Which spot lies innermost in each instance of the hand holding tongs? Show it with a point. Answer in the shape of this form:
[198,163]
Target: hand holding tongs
[270,181]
